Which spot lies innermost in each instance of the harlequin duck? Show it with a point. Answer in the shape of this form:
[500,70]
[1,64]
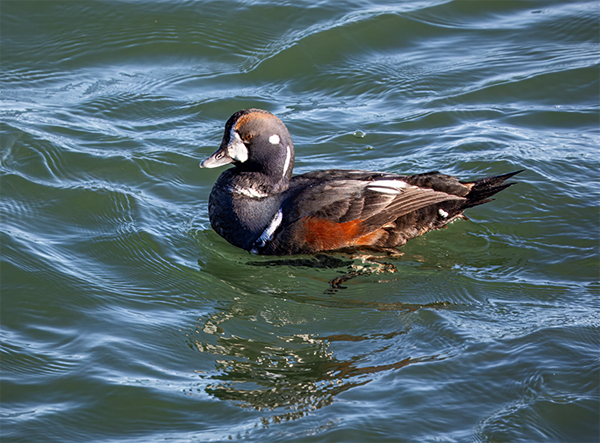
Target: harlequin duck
[258,206]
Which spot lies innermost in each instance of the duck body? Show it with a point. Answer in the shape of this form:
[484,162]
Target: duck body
[259,206]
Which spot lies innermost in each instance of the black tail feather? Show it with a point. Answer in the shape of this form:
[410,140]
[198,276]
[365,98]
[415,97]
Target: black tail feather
[484,188]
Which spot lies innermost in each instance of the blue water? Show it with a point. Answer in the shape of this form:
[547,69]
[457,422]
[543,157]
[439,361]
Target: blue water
[125,318]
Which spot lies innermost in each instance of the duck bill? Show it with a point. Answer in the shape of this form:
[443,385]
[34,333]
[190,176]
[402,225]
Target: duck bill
[228,152]
[218,158]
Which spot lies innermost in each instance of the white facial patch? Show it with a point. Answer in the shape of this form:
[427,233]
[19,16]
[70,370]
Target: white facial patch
[268,232]
[388,186]
[442,213]
[237,149]
[274,139]
[288,157]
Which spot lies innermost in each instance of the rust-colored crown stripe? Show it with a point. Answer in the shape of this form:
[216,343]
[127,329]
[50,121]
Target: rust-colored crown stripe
[251,116]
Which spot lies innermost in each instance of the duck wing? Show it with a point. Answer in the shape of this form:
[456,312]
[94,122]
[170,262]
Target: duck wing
[330,210]
[336,209]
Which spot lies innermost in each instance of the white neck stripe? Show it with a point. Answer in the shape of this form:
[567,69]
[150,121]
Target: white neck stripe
[288,157]
[248,192]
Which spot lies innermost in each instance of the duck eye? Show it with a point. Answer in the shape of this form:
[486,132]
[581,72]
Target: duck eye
[248,137]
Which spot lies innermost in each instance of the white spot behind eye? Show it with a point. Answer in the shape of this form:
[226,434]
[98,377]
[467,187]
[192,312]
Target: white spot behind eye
[442,213]
[274,139]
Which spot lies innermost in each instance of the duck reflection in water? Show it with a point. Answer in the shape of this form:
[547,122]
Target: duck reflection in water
[296,374]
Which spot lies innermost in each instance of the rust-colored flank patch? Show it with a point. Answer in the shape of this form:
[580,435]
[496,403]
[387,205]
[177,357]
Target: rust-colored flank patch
[325,234]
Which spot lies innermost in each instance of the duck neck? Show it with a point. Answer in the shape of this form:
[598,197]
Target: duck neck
[254,184]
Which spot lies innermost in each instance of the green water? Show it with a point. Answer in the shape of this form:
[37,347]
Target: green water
[125,318]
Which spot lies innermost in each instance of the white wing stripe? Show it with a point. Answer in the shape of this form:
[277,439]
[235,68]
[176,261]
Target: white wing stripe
[389,186]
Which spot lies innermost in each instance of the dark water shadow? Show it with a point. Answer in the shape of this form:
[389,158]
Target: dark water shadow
[356,262]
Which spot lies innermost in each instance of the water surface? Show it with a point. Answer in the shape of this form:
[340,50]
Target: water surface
[126,318]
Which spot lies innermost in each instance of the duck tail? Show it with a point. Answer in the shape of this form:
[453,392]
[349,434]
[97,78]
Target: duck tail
[483,189]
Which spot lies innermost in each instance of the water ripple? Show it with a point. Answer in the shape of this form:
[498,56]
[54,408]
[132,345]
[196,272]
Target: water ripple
[125,317]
